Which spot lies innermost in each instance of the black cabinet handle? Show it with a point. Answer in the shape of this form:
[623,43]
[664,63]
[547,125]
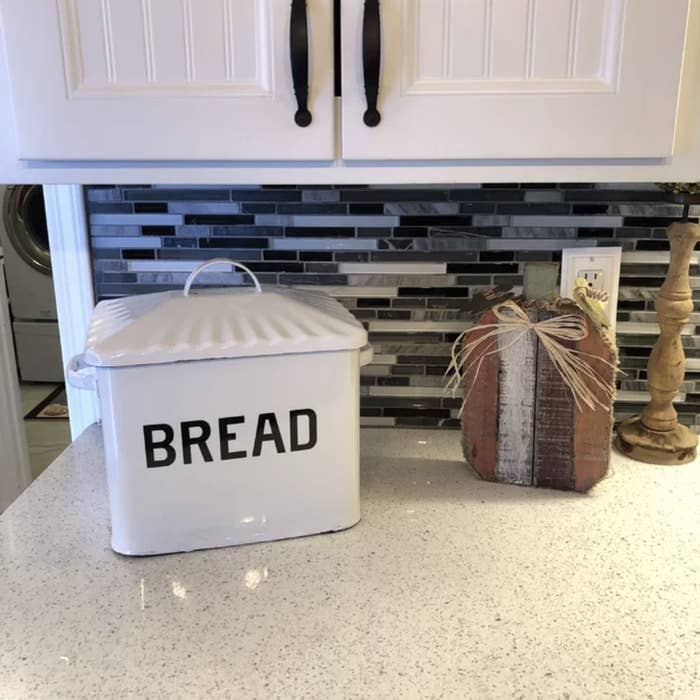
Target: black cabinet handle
[371,59]
[299,56]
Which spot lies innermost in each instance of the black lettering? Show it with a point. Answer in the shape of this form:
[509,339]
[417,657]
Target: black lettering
[200,440]
[226,437]
[294,416]
[151,445]
[262,436]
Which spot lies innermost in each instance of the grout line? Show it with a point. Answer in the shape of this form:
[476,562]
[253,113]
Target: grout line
[488,39]
[108,35]
[530,39]
[574,18]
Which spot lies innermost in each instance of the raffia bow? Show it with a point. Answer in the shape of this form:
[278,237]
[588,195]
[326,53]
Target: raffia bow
[584,381]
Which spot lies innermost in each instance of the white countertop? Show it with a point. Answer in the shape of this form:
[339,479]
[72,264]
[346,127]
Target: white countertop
[448,587]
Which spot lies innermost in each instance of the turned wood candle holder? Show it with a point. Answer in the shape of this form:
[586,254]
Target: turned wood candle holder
[656,436]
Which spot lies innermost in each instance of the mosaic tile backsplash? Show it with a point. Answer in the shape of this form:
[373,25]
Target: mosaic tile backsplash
[407,261]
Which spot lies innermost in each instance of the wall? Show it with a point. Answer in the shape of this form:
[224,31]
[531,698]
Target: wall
[15,470]
[406,260]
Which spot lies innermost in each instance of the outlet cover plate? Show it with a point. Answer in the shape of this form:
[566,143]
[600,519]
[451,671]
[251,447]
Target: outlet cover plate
[606,259]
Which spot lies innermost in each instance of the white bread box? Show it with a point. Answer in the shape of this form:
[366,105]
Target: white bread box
[229,415]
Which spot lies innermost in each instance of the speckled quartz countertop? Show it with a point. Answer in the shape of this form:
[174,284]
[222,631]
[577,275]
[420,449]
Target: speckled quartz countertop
[448,587]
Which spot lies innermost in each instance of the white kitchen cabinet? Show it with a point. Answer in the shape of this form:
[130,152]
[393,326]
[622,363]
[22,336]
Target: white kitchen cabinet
[165,80]
[489,79]
[466,87]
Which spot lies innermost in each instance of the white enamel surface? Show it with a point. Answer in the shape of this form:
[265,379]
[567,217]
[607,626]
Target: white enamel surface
[127,79]
[517,79]
[79,375]
[169,327]
[204,504]
[448,587]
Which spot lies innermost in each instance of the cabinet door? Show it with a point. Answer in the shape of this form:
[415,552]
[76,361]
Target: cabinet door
[464,79]
[165,79]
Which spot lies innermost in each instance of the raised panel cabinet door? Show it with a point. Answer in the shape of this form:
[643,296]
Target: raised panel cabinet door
[166,79]
[508,79]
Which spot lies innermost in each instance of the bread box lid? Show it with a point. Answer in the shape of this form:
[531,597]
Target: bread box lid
[218,323]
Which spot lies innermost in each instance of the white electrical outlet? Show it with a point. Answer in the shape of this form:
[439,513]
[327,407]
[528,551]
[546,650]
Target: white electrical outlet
[595,278]
[600,267]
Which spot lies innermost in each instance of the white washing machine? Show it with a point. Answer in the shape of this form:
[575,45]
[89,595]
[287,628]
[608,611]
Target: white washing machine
[25,244]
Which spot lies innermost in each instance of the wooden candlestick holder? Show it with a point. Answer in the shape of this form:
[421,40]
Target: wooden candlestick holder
[656,436]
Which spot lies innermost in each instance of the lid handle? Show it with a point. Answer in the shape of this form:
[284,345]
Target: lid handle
[218,261]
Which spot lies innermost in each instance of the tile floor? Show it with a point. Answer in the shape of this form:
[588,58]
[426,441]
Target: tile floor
[46,438]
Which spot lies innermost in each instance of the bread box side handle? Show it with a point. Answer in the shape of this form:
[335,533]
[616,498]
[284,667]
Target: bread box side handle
[80,375]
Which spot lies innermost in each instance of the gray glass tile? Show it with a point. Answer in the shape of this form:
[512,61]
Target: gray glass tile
[530,208]
[175,194]
[187,207]
[392,195]
[130,242]
[109,208]
[266,195]
[312,208]
[136,219]
[323,243]
[199,254]
[566,221]
[103,194]
[543,195]
[555,232]
[115,230]
[321,195]
[413,208]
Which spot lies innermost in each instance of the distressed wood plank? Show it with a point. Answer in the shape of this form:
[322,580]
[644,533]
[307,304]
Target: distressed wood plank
[554,418]
[517,407]
[593,429]
[480,415]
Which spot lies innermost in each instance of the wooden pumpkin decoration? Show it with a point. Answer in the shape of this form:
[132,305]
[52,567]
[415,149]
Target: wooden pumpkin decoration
[538,382]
